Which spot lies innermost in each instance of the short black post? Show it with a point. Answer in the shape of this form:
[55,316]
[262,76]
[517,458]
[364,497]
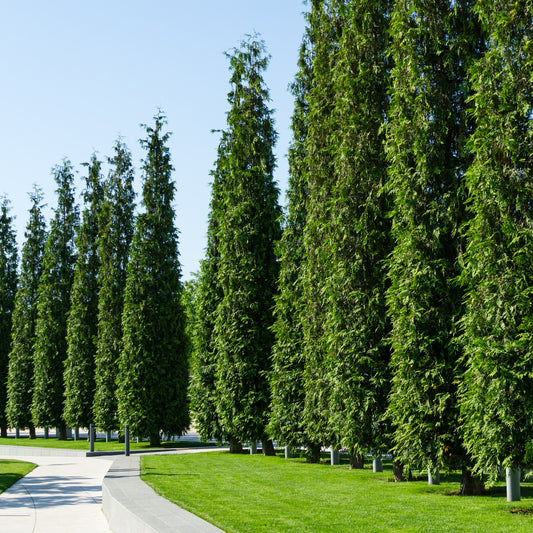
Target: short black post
[127,439]
[91,437]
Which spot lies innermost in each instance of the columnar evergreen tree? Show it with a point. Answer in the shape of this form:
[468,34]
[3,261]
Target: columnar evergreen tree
[248,227]
[8,289]
[115,235]
[153,366]
[356,324]
[203,363]
[287,387]
[189,299]
[427,160]
[54,303]
[326,23]
[83,315]
[20,372]
[497,387]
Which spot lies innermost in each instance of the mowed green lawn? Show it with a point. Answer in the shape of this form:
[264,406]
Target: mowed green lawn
[243,493]
[11,471]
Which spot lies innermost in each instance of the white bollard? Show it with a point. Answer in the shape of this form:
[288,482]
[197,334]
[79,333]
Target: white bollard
[335,457]
[512,481]
[433,477]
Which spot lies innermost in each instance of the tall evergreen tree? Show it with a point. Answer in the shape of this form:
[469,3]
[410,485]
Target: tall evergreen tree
[287,387]
[115,235]
[54,303]
[154,374]
[8,289]
[326,24]
[427,160]
[356,324]
[203,363]
[83,315]
[248,227]
[20,372]
[497,387]
[189,299]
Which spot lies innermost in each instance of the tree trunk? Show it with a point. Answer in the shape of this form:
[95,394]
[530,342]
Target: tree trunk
[235,446]
[357,460]
[268,447]
[313,453]
[32,431]
[3,432]
[155,439]
[398,471]
[61,432]
[471,485]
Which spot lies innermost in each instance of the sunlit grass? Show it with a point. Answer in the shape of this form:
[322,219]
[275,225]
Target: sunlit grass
[243,493]
[11,471]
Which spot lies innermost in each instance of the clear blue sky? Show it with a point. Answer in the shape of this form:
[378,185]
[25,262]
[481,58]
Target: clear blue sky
[76,75]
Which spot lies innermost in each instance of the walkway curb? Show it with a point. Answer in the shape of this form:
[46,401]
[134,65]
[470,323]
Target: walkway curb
[131,506]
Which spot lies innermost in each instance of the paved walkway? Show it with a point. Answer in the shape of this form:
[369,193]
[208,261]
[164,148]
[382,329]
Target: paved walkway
[63,494]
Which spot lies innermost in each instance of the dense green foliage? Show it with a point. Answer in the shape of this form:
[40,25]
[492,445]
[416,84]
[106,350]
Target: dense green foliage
[83,314]
[20,372]
[427,161]
[8,289]
[392,313]
[115,225]
[153,366]
[286,382]
[497,388]
[356,322]
[325,25]
[54,303]
[248,227]
[203,363]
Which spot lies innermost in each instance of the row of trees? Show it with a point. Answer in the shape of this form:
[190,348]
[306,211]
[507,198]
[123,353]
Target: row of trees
[391,314]
[402,307]
[93,327]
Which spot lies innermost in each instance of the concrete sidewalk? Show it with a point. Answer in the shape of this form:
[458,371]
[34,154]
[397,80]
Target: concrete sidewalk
[63,494]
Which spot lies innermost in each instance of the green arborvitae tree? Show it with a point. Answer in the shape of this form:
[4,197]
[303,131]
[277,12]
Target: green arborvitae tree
[116,232]
[20,372]
[356,324]
[83,315]
[54,303]
[153,366]
[497,388]
[8,289]
[203,363]
[287,388]
[326,24]
[427,127]
[189,299]
[248,227]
